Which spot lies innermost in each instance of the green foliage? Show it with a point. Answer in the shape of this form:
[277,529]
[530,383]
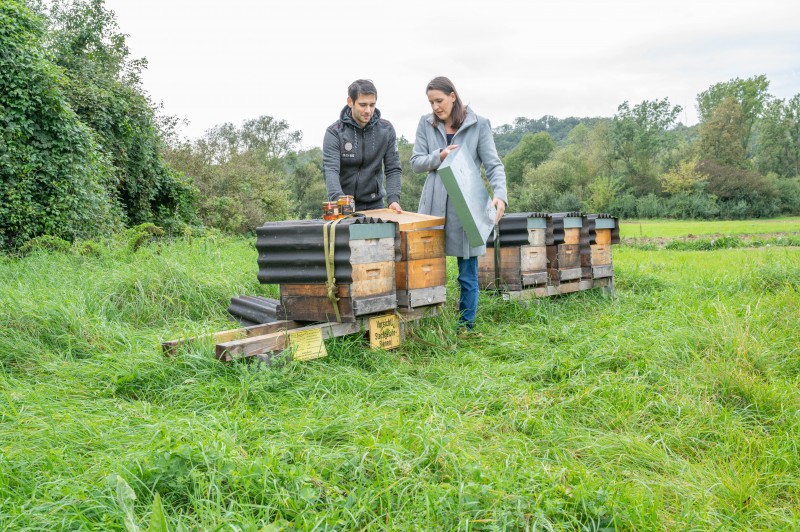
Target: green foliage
[751,95]
[789,192]
[507,136]
[240,173]
[411,190]
[531,151]
[103,89]
[638,135]
[45,243]
[721,134]
[742,193]
[305,182]
[53,177]
[142,234]
[777,147]
[684,178]
[602,192]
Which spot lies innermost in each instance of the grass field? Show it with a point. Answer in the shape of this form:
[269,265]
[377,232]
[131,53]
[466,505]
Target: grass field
[674,405]
[683,228]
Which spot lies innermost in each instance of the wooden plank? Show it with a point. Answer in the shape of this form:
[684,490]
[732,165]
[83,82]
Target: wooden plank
[421,297]
[602,236]
[421,273]
[376,278]
[371,250]
[533,259]
[530,279]
[312,290]
[406,220]
[170,347]
[606,270]
[567,288]
[371,305]
[601,254]
[316,308]
[276,341]
[421,244]
[572,236]
[564,275]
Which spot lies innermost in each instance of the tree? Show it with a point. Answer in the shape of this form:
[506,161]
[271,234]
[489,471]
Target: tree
[721,132]
[242,175]
[638,136]
[777,147]
[305,183]
[532,150]
[53,177]
[104,90]
[684,178]
[751,94]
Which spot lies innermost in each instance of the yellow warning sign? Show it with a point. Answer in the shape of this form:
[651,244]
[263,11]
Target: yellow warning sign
[384,332]
[307,345]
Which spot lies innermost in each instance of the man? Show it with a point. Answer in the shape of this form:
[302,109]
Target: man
[359,149]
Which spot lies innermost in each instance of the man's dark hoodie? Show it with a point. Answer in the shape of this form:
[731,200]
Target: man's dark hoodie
[354,159]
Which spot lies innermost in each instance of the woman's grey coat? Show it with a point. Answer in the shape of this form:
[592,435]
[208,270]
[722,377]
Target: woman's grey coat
[475,137]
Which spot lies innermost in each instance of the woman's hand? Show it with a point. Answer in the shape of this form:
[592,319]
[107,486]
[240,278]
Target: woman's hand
[396,207]
[500,205]
[445,152]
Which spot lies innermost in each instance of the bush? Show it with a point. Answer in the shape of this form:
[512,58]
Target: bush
[693,205]
[53,176]
[651,206]
[789,190]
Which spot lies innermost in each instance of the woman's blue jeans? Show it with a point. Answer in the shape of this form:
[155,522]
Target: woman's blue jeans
[468,297]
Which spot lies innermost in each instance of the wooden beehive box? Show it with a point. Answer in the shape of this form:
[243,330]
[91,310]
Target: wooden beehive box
[521,266]
[292,254]
[564,256]
[601,239]
[420,272]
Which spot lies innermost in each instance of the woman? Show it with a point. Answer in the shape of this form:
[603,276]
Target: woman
[454,126]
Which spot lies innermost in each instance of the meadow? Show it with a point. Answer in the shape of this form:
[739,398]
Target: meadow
[674,405]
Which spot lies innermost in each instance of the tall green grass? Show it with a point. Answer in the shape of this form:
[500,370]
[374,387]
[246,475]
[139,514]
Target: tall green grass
[672,406]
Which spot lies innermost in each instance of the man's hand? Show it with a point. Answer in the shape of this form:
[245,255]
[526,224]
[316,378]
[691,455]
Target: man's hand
[396,207]
[500,205]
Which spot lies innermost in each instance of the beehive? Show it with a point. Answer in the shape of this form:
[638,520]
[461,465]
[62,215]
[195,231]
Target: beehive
[564,255]
[421,274]
[292,254]
[523,239]
[603,233]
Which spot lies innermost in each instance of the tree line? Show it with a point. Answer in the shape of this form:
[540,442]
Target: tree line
[84,151]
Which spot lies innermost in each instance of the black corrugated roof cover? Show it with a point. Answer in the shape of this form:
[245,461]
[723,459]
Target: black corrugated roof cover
[292,251]
[514,229]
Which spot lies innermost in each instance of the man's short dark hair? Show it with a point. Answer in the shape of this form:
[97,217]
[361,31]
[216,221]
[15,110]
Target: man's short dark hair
[361,87]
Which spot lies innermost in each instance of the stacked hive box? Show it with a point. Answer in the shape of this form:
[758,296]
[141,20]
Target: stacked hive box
[523,240]
[421,271]
[603,231]
[292,254]
[564,255]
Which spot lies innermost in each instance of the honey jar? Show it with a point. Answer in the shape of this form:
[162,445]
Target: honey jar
[330,210]
[347,205]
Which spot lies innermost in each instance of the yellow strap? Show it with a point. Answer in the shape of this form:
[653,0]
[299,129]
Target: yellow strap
[329,246]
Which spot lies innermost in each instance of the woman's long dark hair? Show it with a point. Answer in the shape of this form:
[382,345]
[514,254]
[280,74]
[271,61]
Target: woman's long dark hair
[459,112]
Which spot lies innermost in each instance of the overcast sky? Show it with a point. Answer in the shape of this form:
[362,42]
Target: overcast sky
[215,62]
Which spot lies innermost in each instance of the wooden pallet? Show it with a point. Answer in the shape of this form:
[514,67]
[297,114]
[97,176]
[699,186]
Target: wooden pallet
[268,340]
